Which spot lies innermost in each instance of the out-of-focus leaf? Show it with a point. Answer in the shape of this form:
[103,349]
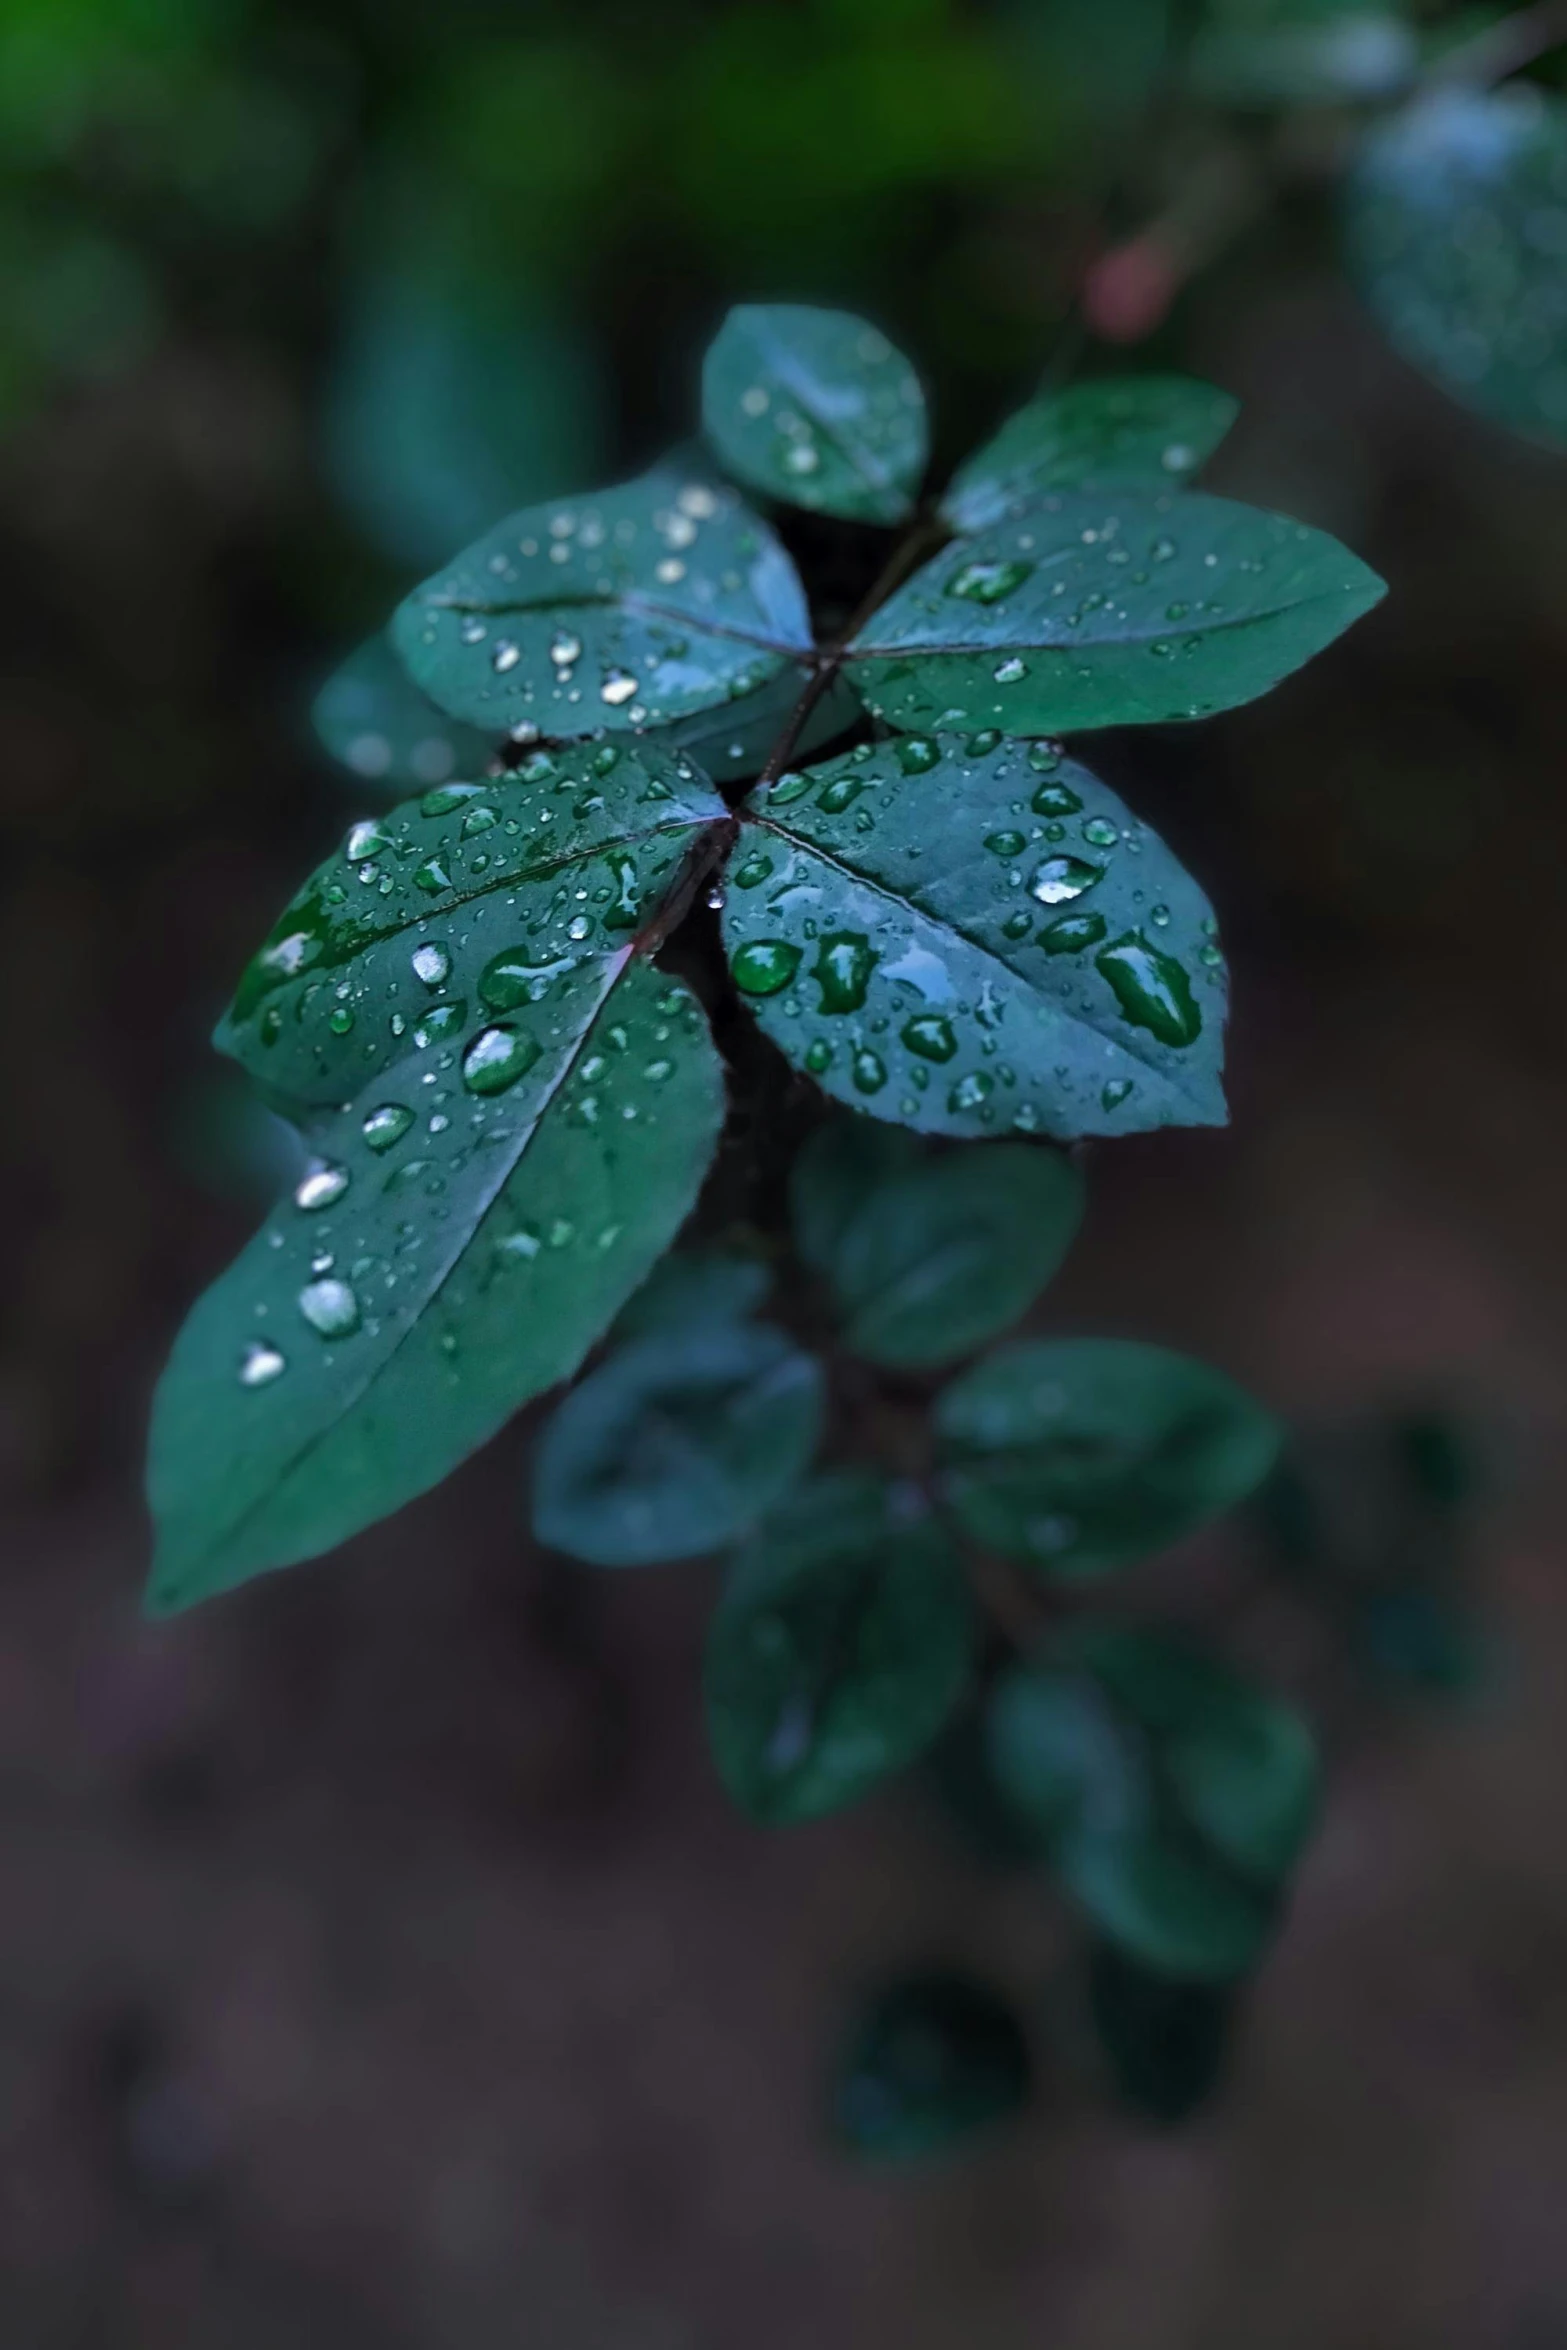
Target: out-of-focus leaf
[1107,609]
[817,408]
[1138,432]
[935,2060]
[441,416]
[630,607]
[942,1254]
[1303,53]
[1165,2042]
[967,936]
[676,1444]
[1457,234]
[1078,1455]
[692,1288]
[371,716]
[455,1249]
[840,1646]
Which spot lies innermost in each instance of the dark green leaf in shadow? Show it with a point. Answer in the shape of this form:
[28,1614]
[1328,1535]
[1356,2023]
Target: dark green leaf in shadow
[676,1443]
[1138,432]
[629,607]
[392,738]
[1456,223]
[1079,1455]
[935,2059]
[967,936]
[816,408]
[841,1645]
[455,1248]
[944,1253]
[1107,609]
[704,1288]
[1166,2042]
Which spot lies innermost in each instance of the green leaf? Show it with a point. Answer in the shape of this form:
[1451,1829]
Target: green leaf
[456,1249]
[1107,610]
[450,911]
[1168,1907]
[676,1443]
[967,937]
[372,716]
[1063,1758]
[631,607]
[935,2060]
[1457,225]
[1240,1765]
[840,1646]
[1335,52]
[939,1254]
[735,742]
[443,412]
[817,408]
[1135,432]
[1078,1455]
[691,1287]
[1166,2042]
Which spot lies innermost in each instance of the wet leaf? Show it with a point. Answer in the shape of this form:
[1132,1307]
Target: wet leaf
[631,607]
[1107,609]
[676,1443]
[940,1253]
[392,738]
[970,937]
[1457,235]
[455,1249]
[840,1646]
[934,2060]
[454,909]
[1136,432]
[1079,1455]
[817,408]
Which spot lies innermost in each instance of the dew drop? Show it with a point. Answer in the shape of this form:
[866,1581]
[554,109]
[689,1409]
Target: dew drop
[1055,799]
[432,964]
[1005,844]
[988,582]
[330,1307]
[754,871]
[365,840]
[971,1090]
[1009,671]
[1115,1093]
[565,648]
[1060,879]
[1045,757]
[260,1364]
[929,1035]
[842,970]
[765,965]
[497,1057]
[1152,989]
[1072,933]
[870,1071]
[387,1125]
[320,1186]
[917,754]
[1101,833]
[619,686]
[505,656]
[793,784]
[432,877]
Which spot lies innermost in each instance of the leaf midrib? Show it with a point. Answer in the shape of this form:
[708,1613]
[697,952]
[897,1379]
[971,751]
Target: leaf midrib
[624,600]
[1177,629]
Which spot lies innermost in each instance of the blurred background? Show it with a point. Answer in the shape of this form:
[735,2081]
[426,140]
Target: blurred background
[381,1965]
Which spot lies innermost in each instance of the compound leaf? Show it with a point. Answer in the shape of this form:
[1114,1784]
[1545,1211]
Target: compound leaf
[1107,610]
[935,2060]
[1457,227]
[632,607]
[449,911]
[457,1247]
[817,408]
[676,1443]
[1139,432]
[939,1254]
[840,1646]
[964,937]
[1078,1455]
[371,716]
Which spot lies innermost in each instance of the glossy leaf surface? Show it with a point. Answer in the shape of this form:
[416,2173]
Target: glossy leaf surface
[1107,609]
[454,909]
[817,408]
[936,1254]
[968,937]
[455,1249]
[1457,228]
[840,1646]
[676,1443]
[935,2060]
[631,607]
[392,738]
[1078,1455]
[1138,432]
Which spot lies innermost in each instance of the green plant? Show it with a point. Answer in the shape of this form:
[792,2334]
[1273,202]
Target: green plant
[491,1018]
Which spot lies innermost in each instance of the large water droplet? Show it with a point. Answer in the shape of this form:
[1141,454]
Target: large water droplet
[1151,988]
[930,1036]
[619,686]
[764,965]
[365,840]
[1059,879]
[989,581]
[1009,672]
[330,1307]
[320,1186]
[917,754]
[841,793]
[971,1090]
[1072,933]
[1005,844]
[432,964]
[753,871]
[260,1364]
[432,876]
[497,1057]
[842,970]
[1101,833]
[793,784]
[870,1071]
[387,1125]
